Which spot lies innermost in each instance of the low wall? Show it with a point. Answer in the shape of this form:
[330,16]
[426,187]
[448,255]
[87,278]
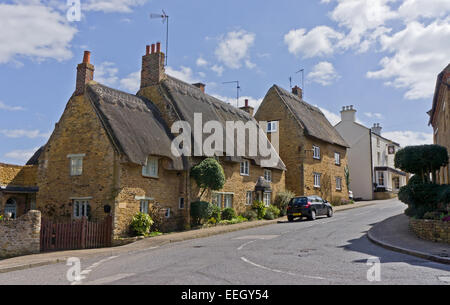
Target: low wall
[384,195]
[432,230]
[20,236]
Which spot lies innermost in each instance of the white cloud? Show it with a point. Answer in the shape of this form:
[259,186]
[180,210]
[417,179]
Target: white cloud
[373,115]
[109,6]
[419,53]
[331,116]
[234,47]
[34,30]
[3,106]
[106,73]
[132,82]
[201,62]
[408,138]
[320,41]
[185,74]
[218,69]
[23,133]
[323,73]
[21,155]
[413,9]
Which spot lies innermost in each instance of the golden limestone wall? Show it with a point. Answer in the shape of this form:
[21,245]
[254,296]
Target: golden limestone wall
[443,125]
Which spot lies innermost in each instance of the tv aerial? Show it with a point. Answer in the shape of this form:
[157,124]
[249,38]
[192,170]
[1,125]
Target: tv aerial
[303,79]
[165,19]
[238,89]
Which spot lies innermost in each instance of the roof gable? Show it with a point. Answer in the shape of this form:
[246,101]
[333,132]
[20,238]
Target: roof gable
[310,118]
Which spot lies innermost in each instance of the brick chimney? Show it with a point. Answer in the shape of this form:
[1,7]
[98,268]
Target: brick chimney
[201,86]
[376,129]
[153,71]
[85,73]
[247,108]
[297,91]
[348,114]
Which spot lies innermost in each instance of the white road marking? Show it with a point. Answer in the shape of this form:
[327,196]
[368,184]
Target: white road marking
[279,271]
[247,243]
[110,279]
[89,269]
[262,237]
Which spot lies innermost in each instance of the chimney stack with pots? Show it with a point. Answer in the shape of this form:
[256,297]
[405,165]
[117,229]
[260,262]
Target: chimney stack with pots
[85,73]
[247,108]
[201,86]
[153,71]
[297,91]
[376,129]
[348,114]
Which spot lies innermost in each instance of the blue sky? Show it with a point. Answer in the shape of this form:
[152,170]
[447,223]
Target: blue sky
[382,56]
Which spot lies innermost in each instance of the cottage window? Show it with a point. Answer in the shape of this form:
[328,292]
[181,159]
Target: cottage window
[316,152]
[272,126]
[181,203]
[380,178]
[76,164]
[217,200]
[317,180]
[144,206]
[81,208]
[167,213]
[11,207]
[338,183]
[249,198]
[337,158]
[228,201]
[267,198]
[268,175]
[245,168]
[150,169]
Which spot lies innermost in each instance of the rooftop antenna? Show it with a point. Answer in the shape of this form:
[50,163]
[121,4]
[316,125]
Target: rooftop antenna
[303,79]
[165,19]
[290,82]
[238,88]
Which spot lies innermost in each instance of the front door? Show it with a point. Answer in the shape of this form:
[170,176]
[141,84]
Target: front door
[11,207]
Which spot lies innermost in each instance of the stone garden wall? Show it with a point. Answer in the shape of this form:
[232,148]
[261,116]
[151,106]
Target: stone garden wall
[432,230]
[20,236]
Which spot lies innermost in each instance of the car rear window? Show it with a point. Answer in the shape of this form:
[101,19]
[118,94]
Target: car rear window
[299,201]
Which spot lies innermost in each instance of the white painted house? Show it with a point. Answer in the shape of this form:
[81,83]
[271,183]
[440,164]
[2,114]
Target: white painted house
[370,159]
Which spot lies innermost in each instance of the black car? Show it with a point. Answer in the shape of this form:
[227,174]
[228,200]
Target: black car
[310,207]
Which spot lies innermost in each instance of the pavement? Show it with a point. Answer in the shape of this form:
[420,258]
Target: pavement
[326,251]
[37,260]
[394,234]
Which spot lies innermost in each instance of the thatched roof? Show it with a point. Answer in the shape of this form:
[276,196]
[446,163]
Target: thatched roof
[310,118]
[187,99]
[134,125]
[35,158]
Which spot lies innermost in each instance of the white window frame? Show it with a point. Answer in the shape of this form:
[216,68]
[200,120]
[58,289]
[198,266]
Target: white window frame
[80,208]
[144,206]
[181,203]
[379,175]
[226,203]
[268,175]
[150,169]
[338,183]
[167,213]
[337,158]
[76,164]
[249,198]
[267,198]
[272,126]
[316,152]
[217,199]
[317,177]
[245,168]
[11,208]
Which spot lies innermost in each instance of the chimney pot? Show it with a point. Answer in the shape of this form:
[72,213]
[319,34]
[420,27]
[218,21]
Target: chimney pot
[297,91]
[246,102]
[147,50]
[158,47]
[85,73]
[153,70]
[247,108]
[87,57]
[153,48]
[201,86]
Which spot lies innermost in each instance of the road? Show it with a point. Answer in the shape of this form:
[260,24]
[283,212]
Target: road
[326,251]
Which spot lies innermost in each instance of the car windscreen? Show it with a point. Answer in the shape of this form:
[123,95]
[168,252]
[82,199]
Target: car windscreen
[299,201]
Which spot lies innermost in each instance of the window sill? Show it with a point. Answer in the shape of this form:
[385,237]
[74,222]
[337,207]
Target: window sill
[150,177]
[245,175]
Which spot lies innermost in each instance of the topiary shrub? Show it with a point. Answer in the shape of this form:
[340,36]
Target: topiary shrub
[282,200]
[228,214]
[200,211]
[260,208]
[420,198]
[251,215]
[141,224]
[208,174]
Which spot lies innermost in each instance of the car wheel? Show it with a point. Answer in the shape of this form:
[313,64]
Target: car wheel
[313,215]
[330,212]
[290,218]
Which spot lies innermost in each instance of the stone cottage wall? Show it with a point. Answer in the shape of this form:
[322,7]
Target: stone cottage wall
[20,236]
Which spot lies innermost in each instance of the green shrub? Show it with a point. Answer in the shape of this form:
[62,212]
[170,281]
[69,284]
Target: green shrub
[1,217]
[141,224]
[416,179]
[208,174]
[200,211]
[233,221]
[282,200]
[228,214]
[269,215]
[251,215]
[274,210]
[422,198]
[212,221]
[215,212]
[260,208]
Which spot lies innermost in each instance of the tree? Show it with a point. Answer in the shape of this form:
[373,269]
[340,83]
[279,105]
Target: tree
[422,160]
[347,177]
[208,174]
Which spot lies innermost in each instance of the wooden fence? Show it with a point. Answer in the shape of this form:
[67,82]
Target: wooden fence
[79,234]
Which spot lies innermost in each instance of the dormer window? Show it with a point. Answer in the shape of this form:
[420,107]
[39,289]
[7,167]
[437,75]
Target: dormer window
[150,169]
[76,164]
[316,152]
